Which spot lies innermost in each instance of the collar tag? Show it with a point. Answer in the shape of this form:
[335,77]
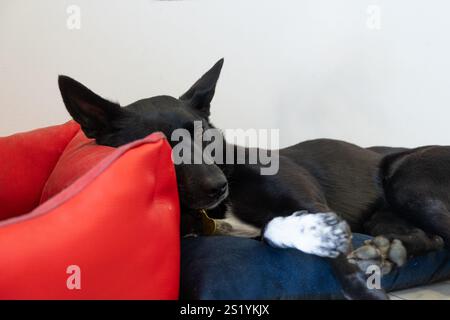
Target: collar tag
[209,224]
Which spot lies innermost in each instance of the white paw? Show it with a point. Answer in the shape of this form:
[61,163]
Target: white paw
[321,234]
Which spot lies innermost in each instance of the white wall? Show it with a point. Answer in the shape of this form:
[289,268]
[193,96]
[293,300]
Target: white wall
[311,68]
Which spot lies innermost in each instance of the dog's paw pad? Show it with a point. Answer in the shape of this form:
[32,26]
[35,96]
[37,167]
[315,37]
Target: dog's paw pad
[322,234]
[397,253]
[379,252]
[366,252]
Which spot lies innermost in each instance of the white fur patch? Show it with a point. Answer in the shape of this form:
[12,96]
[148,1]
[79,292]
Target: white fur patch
[237,227]
[322,234]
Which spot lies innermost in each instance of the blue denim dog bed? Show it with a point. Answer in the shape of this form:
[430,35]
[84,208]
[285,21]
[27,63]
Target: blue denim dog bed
[222,267]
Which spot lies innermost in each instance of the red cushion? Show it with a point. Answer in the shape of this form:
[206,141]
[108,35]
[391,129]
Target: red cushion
[27,161]
[119,222]
[80,155]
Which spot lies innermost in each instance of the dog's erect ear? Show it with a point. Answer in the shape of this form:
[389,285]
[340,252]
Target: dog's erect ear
[95,115]
[199,96]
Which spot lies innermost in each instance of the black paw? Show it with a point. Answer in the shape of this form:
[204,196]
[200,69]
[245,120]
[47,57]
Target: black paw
[379,252]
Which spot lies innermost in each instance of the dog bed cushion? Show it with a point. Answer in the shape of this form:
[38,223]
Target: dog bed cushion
[221,267]
[27,160]
[111,214]
[80,155]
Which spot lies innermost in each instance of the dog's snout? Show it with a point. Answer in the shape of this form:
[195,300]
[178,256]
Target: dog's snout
[219,189]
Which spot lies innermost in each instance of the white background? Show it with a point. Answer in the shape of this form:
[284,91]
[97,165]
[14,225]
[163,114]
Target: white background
[310,68]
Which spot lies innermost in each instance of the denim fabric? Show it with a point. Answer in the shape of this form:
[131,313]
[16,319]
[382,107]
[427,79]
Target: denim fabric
[222,267]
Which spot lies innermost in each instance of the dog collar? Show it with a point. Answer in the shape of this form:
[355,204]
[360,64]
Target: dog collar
[209,225]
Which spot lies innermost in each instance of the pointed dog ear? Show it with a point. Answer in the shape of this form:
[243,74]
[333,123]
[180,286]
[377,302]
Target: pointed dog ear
[199,96]
[95,115]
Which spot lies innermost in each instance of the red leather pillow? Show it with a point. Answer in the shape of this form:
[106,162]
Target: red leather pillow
[27,159]
[118,223]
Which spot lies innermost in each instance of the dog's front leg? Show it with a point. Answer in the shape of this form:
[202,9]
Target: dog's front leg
[353,281]
[325,235]
[321,234]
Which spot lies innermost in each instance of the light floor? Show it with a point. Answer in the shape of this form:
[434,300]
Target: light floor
[437,291]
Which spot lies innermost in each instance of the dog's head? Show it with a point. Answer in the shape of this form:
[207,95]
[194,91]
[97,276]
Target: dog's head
[201,186]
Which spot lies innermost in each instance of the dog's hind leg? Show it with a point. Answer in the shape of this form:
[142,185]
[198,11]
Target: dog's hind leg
[430,214]
[395,240]
[416,185]
[388,224]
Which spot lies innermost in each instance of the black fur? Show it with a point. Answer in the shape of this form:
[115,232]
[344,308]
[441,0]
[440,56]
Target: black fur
[396,192]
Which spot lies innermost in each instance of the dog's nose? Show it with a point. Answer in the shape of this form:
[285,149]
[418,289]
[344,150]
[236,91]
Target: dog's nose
[219,189]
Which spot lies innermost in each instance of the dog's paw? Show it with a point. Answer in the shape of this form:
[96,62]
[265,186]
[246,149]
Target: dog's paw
[379,252]
[321,234]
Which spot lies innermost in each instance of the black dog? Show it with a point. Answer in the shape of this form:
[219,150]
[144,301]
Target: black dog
[322,189]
